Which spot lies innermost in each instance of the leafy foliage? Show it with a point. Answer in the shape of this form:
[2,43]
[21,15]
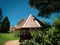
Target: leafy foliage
[17,33]
[20,21]
[47,24]
[50,36]
[0,14]
[0,17]
[45,7]
[56,23]
[5,25]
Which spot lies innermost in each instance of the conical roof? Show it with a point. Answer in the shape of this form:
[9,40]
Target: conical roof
[30,22]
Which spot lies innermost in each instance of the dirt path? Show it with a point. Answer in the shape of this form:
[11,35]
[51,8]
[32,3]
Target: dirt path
[13,42]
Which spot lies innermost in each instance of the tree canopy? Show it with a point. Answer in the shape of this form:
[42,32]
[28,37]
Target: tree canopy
[20,21]
[0,17]
[0,14]
[45,7]
[56,23]
[5,25]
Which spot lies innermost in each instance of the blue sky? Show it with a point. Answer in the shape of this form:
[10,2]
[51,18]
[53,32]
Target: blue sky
[18,9]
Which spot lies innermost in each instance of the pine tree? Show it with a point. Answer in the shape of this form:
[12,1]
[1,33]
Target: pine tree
[0,18]
[5,25]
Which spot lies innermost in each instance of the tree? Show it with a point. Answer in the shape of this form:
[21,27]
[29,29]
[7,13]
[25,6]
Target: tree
[0,14]
[47,24]
[56,22]
[20,21]
[5,25]
[0,17]
[45,7]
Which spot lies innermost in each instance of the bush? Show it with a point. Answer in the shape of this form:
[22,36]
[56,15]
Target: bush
[17,33]
[50,36]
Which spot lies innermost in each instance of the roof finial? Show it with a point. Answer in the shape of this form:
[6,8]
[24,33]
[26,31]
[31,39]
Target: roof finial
[31,13]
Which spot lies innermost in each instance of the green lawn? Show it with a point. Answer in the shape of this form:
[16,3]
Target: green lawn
[6,37]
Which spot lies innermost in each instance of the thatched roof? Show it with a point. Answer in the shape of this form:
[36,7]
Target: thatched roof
[30,22]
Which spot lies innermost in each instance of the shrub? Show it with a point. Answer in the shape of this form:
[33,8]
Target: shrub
[17,33]
[50,36]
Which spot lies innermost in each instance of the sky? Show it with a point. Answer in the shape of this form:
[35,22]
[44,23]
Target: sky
[18,9]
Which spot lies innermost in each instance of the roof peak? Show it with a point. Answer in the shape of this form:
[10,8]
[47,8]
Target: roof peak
[30,22]
[30,14]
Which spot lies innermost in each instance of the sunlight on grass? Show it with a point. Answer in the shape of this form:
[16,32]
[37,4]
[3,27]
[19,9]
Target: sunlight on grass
[6,37]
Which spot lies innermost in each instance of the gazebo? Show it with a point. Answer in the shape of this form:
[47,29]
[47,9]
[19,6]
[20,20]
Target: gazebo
[29,23]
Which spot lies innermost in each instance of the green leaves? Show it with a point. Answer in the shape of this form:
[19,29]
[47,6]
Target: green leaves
[0,14]
[50,36]
[5,25]
[56,23]
[45,7]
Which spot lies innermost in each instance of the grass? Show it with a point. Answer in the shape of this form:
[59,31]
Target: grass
[6,37]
